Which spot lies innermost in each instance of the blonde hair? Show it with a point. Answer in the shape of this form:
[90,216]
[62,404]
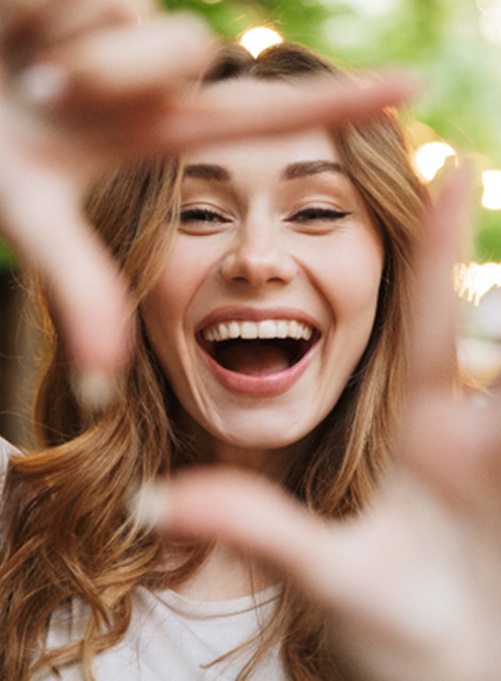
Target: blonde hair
[67,531]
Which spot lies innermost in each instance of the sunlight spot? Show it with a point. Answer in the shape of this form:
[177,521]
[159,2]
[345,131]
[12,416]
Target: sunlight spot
[491,198]
[473,280]
[431,157]
[259,38]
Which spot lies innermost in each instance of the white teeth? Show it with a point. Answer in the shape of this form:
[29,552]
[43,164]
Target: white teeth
[267,328]
[306,333]
[223,331]
[248,330]
[282,328]
[233,330]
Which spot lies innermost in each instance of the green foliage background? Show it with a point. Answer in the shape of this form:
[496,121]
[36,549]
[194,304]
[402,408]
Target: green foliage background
[439,40]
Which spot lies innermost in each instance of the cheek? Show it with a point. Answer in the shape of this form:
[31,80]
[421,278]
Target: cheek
[163,313]
[348,273]
[182,275]
[162,308]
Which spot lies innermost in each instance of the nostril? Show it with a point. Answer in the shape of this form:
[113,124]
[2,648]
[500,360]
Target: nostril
[258,267]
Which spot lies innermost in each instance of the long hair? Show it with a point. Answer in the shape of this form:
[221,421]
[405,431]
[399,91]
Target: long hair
[67,533]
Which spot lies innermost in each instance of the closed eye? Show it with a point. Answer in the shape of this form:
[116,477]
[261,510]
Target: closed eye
[190,215]
[202,221]
[318,213]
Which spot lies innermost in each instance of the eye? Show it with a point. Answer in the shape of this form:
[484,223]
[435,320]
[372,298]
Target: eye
[200,215]
[201,219]
[313,213]
[316,220]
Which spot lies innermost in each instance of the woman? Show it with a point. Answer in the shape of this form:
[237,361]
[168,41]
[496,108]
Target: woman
[315,246]
[269,334]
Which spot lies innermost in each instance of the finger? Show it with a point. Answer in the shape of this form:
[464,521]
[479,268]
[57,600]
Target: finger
[247,512]
[122,63]
[451,445]
[433,362]
[257,108]
[47,22]
[390,573]
[32,31]
[435,432]
[329,563]
[89,294]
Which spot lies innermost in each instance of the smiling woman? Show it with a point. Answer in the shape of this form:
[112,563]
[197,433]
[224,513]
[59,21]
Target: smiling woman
[271,280]
[273,250]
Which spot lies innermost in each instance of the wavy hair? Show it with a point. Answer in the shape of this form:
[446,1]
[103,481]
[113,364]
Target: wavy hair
[67,532]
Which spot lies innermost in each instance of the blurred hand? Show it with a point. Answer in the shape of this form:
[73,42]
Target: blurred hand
[412,588]
[80,80]
[86,85]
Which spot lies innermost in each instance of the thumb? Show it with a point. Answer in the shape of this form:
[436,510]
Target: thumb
[328,562]
[249,513]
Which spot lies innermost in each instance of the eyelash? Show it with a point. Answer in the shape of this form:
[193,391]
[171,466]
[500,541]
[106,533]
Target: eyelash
[200,215]
[311,214]
[318,213]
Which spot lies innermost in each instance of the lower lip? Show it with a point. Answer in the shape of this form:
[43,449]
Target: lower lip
[269,385]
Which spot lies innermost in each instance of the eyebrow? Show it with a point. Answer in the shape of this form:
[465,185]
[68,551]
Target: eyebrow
[305,168]
[207,171]
[213,172]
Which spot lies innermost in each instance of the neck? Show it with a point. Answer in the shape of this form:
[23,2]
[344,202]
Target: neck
[226,574]
[272,463]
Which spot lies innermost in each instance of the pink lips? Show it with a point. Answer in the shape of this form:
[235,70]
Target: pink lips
[267,385]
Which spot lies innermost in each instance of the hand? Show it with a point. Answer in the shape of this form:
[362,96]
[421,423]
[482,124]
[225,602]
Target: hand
[412,587]
[89,84]
[62,125]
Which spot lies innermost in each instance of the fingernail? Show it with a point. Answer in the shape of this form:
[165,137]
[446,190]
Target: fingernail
[150,505]
[42,85]
[94,390]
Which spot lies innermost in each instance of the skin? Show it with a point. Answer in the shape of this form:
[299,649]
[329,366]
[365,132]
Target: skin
[255,250]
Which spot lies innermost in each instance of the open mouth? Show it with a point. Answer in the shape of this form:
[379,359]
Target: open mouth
[258,348]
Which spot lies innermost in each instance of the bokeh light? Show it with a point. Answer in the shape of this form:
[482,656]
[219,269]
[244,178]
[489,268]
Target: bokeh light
[431,157]
[490,20]
[473,280]
[374,7]
[491,181]
[489,7]
[257,39]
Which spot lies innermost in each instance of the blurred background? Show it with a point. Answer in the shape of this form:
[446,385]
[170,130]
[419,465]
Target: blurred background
[455,47]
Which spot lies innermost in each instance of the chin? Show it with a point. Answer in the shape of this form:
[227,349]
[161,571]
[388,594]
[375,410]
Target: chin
[249,432]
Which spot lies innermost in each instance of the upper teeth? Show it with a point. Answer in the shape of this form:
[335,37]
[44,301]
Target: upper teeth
[267,328]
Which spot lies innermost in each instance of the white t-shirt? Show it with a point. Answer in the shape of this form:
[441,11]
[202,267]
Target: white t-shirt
[171,638]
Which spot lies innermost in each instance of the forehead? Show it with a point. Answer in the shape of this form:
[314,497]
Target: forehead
[269,154]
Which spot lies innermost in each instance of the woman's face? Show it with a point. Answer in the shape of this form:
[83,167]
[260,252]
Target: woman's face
[268,293]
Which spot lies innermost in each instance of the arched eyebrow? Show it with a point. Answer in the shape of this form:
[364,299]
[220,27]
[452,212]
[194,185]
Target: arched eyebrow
[207,171]
[305,168]
[213,172]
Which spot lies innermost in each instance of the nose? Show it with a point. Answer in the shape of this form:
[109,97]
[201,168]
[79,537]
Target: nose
[256,258]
